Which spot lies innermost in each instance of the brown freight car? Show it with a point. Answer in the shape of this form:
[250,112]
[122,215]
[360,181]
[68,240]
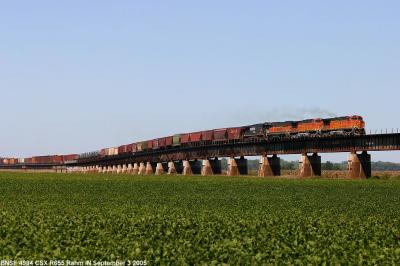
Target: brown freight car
[220,134]
[195,137]
[185,138]
[234,133]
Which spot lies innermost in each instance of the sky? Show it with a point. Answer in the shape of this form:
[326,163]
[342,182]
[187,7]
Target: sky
[78,76]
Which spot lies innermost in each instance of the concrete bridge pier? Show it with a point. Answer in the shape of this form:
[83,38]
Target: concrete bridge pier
[135,169]
[142,169]
[237,166]
[207,169]
[149,169]
[171,168]
[269,166]
[233,169]
[124,169]
[114,169]
[359,165]
[211,167]
[129,168]
[187,168]
[119,169]
[159,169]
[310,165]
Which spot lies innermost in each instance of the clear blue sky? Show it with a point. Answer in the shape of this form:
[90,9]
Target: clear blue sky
[81,75]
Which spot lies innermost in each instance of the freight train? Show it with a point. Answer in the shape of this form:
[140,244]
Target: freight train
[269,131]
[42,160]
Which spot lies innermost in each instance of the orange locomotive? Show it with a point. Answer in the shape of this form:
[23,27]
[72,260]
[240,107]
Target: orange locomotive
[347,125]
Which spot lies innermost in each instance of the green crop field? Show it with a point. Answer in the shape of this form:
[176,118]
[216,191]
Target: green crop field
[199,220]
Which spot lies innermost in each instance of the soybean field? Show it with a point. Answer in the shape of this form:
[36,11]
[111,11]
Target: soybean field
[180,220]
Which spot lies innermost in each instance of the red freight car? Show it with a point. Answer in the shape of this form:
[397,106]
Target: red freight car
[168,141]
[57,159]
[134,147]
[42,159]
[234,133]
[220,134]
[195,137]
[155,144]
[129,148]
[70,157]
[103,152]
[207,135]
[122,149]
[150,144]
[185,138]
[162,142]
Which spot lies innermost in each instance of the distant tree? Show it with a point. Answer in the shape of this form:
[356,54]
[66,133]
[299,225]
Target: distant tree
[329,166]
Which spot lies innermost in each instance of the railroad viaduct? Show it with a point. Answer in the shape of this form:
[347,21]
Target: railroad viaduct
[203,159]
